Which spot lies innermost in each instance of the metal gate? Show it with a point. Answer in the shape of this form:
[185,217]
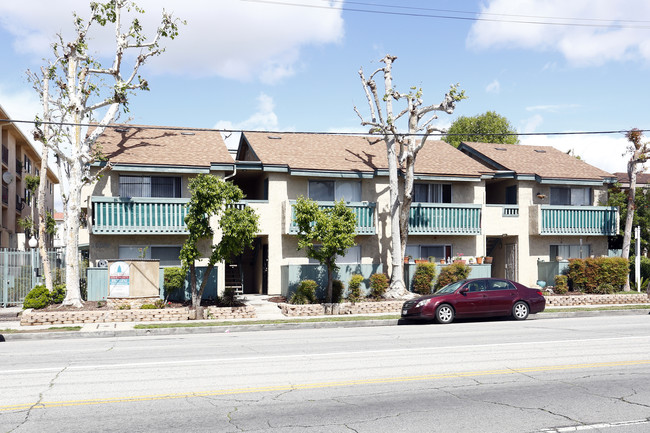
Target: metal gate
[20,271]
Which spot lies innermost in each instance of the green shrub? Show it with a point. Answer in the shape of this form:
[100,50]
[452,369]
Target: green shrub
[452,273]
[37,298]
[354,288]
[148,307]
[587,274]
[124,307]
[378,285]
[305,293]
[58,296]
[561,284]
[423,278]
[229,298]
[173,280]
[605,289]
[159,303]
[337,291]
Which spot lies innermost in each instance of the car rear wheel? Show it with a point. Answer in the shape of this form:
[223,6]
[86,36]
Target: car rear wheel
[444,314]
[520,310]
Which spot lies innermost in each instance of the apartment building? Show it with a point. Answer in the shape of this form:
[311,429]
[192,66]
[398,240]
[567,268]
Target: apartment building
[19,159]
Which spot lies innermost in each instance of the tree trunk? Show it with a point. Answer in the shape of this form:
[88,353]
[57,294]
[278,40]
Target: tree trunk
[330,282]
[397,287]
[42,221]
[72,214]
[627,233]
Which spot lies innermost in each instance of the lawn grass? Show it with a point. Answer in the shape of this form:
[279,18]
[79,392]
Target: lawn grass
[267,322]
[51,329]
[608,308]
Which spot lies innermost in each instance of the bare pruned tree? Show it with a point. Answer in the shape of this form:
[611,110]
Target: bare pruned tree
[402,149]
[75,90]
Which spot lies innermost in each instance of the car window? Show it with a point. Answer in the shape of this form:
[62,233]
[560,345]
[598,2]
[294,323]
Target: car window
[500,285]
[476,286]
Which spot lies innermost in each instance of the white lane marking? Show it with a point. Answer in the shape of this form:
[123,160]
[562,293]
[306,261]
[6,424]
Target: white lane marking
[436,349]
[596,426]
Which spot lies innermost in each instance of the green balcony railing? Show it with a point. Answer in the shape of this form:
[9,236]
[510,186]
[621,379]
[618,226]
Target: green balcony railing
[118,215]
[364,211]
[579,220]
[445,219]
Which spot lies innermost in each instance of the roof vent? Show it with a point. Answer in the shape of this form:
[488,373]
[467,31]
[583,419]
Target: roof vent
[540,151]
[187,133]
[501,148]
[274,137]
[121,129]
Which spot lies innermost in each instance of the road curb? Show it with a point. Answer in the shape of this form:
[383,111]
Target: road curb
[40,335]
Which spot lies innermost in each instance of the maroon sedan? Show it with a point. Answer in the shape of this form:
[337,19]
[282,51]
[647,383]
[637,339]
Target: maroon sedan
[479,297]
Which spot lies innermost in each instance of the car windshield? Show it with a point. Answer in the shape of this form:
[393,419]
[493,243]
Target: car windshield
[449,288]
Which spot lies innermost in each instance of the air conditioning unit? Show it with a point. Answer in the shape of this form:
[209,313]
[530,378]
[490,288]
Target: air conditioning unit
[102,263]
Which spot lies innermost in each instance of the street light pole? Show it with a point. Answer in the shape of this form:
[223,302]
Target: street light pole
[33,243]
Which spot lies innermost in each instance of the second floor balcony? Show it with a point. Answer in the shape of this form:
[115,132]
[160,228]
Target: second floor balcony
[119,215]
[575,220]
[445,219]
[364,212]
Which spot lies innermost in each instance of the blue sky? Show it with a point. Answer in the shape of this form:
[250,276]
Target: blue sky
[273,66]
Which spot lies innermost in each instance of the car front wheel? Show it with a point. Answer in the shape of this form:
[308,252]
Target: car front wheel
[444,314]
[520,310]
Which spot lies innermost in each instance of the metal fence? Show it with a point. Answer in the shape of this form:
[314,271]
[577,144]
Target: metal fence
[20,271]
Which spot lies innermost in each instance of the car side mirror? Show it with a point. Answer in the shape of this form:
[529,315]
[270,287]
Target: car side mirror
[463,290]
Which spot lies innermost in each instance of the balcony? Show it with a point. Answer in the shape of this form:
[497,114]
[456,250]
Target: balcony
[364,212]
[5,194]
[445,219]
[19,168]
[576,220]
[118,215]
[5,155]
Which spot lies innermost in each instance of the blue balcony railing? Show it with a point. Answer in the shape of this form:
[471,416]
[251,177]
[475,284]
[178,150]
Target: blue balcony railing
[364,212]
[445,219]
[578,220]
[118,215]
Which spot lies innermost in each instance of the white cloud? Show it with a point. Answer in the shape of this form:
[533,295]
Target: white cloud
[552,108]
[264,119]
[22,105]
[493,87]
[582,44]
[531,124]
[228,38]
[606,152]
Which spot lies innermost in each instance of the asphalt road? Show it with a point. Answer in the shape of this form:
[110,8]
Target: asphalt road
[489,376]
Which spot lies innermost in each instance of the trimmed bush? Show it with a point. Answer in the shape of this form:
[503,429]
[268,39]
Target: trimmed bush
[452,273]
[354,288]
[337,291]
[173,280]
[37,298]
[148,307]
[378,285]
[305,293]
[561,285]
[605,289]
[586,275]
[58,295]
[423,278]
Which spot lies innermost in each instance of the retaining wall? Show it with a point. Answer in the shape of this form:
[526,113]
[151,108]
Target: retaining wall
[342,308]
[563,301]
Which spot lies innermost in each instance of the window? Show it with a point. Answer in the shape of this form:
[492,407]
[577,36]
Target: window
[476,286]
[329,190]
[500,285]
[431,193]
[352,257]
[168,255]
[438,252]
[150,186]
[27,165]
[570,251]
[565,196]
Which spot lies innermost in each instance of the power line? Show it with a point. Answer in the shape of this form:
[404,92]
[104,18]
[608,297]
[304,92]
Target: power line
[191,129]
[461,18]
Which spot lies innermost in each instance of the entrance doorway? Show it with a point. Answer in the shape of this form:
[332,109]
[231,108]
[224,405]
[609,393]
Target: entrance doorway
[511,261]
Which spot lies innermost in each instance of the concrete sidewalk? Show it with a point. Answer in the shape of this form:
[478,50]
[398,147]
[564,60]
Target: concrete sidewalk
[265,311]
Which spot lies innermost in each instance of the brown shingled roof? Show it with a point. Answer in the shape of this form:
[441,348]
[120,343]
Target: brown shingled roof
[137,144]
[543,161]
[354,153]
[641,178]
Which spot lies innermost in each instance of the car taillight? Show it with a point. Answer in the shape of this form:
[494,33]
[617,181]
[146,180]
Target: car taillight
[539,292]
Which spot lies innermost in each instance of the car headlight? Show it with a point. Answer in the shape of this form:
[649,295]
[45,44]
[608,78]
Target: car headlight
[422,303]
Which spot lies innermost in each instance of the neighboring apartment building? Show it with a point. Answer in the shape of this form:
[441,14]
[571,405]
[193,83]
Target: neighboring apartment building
[19,159]
[515,203]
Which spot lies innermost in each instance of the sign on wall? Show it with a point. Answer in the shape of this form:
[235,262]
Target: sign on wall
[119,281]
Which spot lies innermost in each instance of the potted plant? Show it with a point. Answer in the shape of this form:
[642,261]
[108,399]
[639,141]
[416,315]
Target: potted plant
[407,259]
[479,260]
[488,260]
[459,258]
[471,260]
